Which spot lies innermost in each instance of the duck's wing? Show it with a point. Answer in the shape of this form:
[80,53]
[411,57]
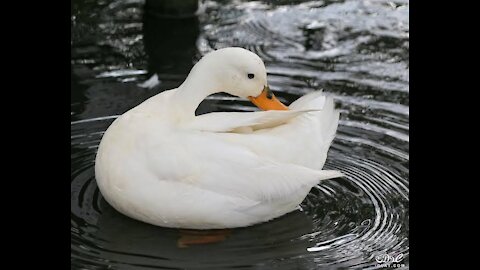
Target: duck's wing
[208,162]
[240,121]
[232,121]
[261,179]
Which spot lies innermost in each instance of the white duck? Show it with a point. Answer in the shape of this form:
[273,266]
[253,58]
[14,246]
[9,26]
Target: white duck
[161,164]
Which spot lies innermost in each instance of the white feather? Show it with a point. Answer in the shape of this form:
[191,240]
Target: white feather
[161,164]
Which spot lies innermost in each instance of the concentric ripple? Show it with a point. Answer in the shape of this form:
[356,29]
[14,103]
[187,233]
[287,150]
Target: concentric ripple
[356,50]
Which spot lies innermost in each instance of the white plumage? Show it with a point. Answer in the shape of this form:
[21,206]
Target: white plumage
[161,164]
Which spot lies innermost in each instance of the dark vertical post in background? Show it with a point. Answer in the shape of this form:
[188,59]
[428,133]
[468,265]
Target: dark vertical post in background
[171,29]
[173,7]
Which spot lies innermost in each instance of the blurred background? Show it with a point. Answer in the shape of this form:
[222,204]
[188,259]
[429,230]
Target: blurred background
[125,51]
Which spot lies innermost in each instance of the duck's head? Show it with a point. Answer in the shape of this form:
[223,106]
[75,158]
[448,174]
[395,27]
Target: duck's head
[242,73]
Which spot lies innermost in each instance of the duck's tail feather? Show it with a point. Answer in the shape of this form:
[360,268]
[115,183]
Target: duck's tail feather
[329,118]
[327,115]
[314,100]
[329,174]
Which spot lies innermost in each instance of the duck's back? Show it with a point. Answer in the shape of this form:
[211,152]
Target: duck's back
[317,129]
[303,140]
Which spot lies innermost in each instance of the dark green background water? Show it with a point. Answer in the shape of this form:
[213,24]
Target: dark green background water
[357,50]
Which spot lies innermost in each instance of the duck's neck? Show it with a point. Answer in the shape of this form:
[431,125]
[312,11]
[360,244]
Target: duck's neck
[198,85]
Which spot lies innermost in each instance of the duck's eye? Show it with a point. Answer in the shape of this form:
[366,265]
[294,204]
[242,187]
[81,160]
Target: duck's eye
[250,75]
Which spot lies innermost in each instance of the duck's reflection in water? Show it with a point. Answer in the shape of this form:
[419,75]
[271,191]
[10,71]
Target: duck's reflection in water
[128,241]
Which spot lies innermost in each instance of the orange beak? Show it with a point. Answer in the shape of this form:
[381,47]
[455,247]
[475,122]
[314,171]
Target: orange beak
[267,101]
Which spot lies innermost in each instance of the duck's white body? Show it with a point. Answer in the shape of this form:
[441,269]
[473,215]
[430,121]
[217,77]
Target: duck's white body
[161,164]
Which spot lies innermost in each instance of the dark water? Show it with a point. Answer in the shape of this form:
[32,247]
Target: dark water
[357,50]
